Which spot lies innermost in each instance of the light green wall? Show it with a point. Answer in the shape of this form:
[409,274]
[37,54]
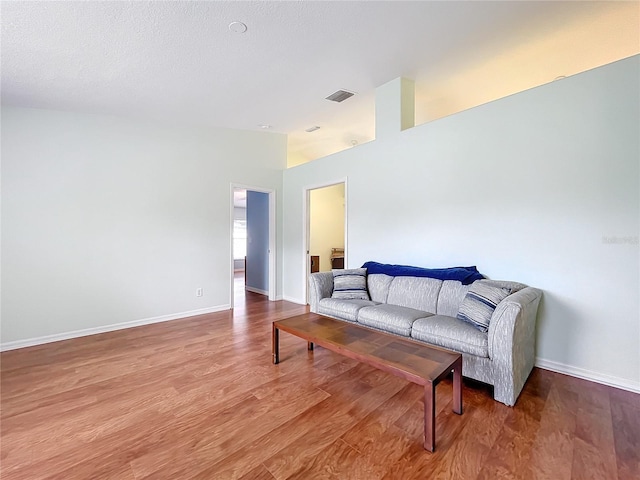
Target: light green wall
[107,221]
[532,188]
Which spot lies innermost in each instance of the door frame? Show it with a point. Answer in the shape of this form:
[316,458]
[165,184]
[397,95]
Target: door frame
[272,237]
[306,227]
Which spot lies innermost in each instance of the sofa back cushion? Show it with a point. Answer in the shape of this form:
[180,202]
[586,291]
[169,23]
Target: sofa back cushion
[451,296]
[415,292]
[378,285]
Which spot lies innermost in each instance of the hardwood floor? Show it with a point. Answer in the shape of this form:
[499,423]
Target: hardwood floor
[200,399]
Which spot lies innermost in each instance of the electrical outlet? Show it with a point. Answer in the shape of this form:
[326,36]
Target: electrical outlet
[198,292]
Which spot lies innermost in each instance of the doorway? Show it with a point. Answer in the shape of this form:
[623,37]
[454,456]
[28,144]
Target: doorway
[252,243]
[326,228]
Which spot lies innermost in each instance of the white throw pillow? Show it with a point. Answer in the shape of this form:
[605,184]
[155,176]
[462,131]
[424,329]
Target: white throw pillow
[479,304]
[350,284]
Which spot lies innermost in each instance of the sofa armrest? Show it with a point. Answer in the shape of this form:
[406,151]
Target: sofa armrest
[512,342]
[320,286]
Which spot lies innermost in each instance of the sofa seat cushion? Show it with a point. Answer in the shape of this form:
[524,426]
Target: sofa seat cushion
[392,318]
[343,309]
[449,332]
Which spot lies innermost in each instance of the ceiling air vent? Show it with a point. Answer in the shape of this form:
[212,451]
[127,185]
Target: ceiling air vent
[340,96]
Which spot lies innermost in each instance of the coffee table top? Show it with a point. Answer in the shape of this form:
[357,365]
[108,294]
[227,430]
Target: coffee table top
[413,360]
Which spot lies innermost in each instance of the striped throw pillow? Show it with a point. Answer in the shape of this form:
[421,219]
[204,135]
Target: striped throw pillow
[350,284]
[480,302]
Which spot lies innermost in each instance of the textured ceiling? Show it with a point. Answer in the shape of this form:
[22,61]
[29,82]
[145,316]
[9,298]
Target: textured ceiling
[179,62]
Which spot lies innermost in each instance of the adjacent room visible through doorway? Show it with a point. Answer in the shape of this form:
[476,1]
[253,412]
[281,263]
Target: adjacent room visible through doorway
[252,243]
[326,238]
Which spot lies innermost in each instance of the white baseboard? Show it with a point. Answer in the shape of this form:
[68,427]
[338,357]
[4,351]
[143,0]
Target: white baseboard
[30,342]
[256,290]
[293,300]
[622,383]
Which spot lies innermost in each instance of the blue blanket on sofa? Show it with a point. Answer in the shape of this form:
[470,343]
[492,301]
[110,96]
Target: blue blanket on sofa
[466,275]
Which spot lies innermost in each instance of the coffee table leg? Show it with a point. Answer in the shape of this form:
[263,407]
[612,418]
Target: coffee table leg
[457,387]
[275,344]
[429,417]
[309,345]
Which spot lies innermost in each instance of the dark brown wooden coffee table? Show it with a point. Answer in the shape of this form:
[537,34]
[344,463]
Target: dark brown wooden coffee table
[414,361]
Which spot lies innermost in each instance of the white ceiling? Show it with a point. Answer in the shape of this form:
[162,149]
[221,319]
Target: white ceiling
[179,62]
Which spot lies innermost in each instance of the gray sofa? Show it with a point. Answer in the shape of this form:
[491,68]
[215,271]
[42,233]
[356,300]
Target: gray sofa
[425,309]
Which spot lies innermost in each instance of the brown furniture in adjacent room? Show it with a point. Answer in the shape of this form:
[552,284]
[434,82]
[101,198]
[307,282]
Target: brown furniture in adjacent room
[315,263]
[416,362]
[337,258]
